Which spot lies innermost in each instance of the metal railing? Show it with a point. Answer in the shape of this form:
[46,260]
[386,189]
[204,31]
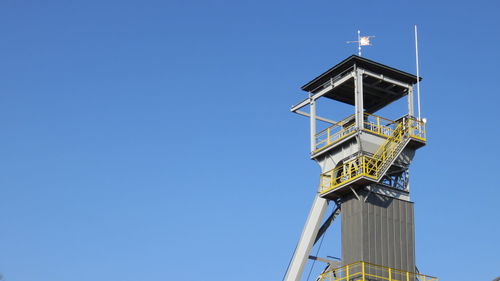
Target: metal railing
[417,129]
[347,172]
[379,125]
[374,166]
[372,123]
[335,133]
[364,271]
[388,150]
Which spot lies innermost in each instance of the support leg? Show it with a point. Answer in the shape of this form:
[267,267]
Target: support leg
[307,238]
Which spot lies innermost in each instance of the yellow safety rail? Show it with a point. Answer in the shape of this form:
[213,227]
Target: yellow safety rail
[388,150]
[373,167]
[416,129]
[364,271]
[379,125]
[346,127]
[335,133]
[347,172]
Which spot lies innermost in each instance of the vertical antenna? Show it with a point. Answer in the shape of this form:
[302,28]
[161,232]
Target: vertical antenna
[359,43]
[418,74]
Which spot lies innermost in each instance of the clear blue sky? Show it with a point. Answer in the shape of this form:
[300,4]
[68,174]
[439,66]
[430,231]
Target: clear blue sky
[152,140]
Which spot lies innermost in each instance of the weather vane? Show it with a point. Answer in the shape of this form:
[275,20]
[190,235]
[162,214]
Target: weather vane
[362,41]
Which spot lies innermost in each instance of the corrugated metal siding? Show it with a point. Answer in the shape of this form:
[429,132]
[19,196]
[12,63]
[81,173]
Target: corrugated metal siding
[380,231]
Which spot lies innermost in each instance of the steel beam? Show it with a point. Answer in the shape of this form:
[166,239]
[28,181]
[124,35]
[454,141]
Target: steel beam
[386,79]
[386,90]
[358,99]
[312,119]
[327,261]
[333,85]
[301,254]
[317,117]
[327,224]
[410,102]
[300,105]
[319,94]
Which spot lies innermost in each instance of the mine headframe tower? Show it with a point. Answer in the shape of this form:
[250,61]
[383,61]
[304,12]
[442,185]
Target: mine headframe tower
[364,161]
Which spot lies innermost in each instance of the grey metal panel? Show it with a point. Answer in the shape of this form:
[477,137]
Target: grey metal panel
[379,231]
[385,242]
[399,229]
[330,159]
[411,238]
[391,248]
[371,234]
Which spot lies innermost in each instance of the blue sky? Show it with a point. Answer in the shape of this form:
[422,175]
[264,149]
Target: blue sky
[152,140]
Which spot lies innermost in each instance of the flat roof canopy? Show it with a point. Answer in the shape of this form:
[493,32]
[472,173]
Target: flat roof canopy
[381,84]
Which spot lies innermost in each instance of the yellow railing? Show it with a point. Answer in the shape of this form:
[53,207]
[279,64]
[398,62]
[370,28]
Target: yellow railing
[387,150]
[373,166]
[346,127]
[379,125]
[416,129]
[348,171]
[365,271]
[335,133]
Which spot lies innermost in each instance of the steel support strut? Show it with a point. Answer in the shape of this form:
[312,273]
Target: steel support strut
[358,99]
[307,239]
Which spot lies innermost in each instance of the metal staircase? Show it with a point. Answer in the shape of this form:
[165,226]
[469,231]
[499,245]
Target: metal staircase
[375,166]
[384,157]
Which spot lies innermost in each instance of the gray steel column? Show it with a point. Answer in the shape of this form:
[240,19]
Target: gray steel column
[307,238]
[411,110]
[358,98]
[312,118]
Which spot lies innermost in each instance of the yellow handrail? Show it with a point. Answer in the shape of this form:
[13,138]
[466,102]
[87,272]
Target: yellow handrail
[346,127]
[386,151]
[378,125]
[335,133]
[373,166]
[368,271]
[372,123]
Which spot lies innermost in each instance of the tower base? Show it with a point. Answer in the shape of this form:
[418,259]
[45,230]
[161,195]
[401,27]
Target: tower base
[378,229]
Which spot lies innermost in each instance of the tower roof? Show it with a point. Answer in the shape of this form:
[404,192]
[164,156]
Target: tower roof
[377,92]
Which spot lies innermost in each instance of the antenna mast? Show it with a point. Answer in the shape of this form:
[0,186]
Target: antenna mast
[418,74]
[359,43]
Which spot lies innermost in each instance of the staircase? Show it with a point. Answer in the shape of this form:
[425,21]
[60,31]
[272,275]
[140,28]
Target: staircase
[371,167]
[385,155]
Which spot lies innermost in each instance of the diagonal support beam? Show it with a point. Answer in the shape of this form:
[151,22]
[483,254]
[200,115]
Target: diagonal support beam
[306,242]
[327,224]
[330,262]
